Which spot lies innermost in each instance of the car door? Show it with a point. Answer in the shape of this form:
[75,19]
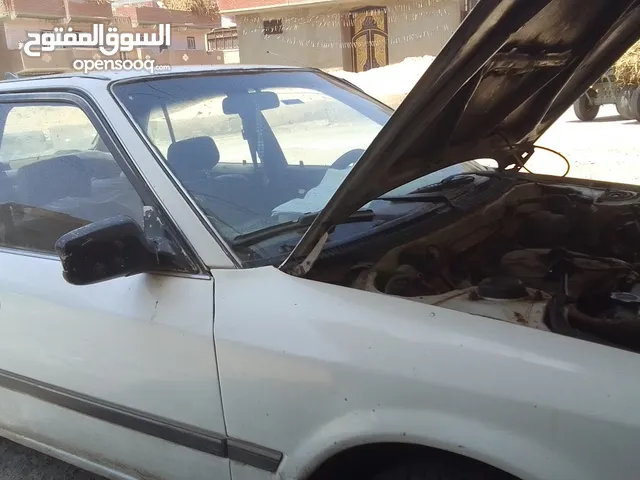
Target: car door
[118,376]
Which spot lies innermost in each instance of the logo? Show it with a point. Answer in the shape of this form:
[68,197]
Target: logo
[110,43]
[147,65]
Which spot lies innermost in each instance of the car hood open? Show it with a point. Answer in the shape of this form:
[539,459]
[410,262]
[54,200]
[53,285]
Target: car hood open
[510,70]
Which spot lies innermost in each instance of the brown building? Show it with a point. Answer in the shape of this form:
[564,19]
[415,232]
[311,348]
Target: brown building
[188,44]
[225,40]
[346,34]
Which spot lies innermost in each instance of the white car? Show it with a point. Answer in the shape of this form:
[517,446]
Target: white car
[260,273]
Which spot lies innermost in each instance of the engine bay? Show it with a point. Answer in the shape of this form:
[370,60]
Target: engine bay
[558,258]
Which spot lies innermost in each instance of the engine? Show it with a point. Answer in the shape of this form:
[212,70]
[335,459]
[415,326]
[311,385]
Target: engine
[556,258]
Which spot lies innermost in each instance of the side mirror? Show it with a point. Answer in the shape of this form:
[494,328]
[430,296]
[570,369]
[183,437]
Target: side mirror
[103,250]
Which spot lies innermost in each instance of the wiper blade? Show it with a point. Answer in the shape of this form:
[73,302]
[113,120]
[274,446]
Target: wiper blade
[425,195]
[248,239]
[418,198]
[450,182]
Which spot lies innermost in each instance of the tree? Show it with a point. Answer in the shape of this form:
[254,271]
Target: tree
[206,8]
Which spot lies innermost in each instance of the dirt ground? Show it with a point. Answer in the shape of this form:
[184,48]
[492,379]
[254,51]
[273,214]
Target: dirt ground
[20,463]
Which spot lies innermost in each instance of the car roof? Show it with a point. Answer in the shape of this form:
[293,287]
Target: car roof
[107,76]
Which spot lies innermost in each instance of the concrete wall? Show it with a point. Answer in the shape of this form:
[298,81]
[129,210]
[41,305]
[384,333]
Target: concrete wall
[16,30]
[231,56]
[420,28]
[311,36]
[318,36]
[179,39]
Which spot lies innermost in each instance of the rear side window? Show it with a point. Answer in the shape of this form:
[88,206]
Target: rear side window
[32,131]
[56,175]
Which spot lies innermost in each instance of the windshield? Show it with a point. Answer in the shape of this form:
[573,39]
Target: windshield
[258,149]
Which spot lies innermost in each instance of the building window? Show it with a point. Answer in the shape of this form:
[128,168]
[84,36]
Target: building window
[191,43]
[272,27]
[223,39]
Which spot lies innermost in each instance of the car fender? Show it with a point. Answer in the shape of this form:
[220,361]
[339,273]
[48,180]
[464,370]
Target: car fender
[310,369]
[458,434]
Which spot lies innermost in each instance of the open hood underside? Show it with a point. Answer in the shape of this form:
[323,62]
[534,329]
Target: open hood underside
[510,70]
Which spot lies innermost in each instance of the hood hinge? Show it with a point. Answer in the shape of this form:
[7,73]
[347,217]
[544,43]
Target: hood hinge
[302,268]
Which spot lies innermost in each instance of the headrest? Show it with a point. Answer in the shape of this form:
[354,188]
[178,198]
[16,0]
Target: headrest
[100,165]
[189,158]
[46,181]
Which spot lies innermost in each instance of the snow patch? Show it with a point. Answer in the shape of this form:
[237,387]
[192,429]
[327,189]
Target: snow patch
[396,79]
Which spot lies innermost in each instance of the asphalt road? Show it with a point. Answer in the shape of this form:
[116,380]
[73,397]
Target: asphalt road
[19,463]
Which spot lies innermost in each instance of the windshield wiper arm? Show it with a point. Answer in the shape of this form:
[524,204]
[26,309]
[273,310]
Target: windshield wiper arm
[247,239]
[453,181]
[418,198]
[427,194]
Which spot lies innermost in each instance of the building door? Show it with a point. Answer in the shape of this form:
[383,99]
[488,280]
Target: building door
[370,38]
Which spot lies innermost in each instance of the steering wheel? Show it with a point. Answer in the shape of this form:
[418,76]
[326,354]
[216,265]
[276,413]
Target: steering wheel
[347,159]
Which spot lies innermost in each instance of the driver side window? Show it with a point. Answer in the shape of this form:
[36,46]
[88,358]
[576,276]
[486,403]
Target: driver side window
[53,178]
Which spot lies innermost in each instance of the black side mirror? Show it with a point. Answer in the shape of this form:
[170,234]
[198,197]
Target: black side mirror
[103,250]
